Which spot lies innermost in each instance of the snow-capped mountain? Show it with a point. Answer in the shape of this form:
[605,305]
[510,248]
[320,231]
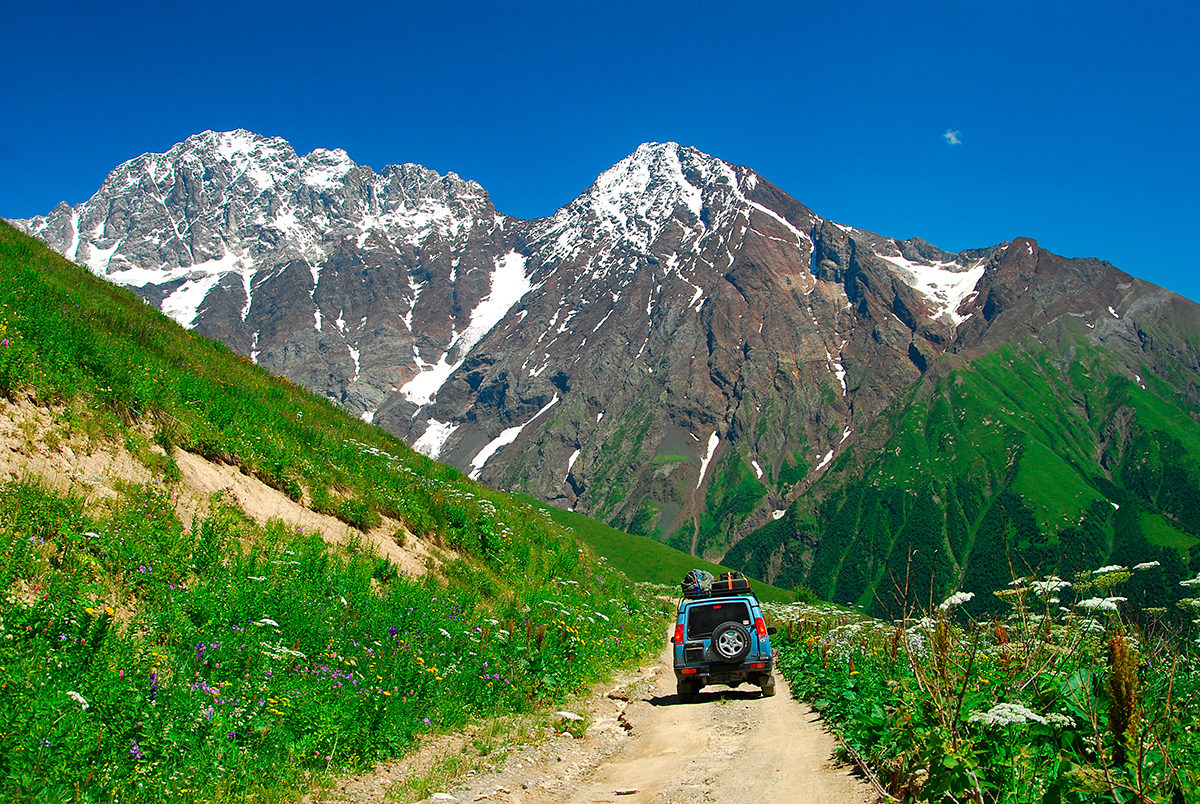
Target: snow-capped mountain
[307,265]
[682,337]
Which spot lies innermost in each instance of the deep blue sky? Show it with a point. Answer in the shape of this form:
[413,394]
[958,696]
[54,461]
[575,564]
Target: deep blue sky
[1077,122]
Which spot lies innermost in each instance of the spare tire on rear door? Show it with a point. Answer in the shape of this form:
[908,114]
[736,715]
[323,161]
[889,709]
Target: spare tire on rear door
[731,641]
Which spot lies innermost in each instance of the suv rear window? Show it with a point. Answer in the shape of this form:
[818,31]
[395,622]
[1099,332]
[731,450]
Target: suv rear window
[703,619]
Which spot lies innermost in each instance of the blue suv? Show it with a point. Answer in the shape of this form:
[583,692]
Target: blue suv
[721,638]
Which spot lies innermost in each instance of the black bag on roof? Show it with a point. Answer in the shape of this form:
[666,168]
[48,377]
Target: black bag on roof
[731,583]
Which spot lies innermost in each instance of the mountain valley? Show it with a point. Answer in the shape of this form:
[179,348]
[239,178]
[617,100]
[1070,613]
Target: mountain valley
[687,352]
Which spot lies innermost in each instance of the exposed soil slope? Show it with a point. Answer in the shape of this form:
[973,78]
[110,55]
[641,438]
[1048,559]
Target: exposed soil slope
[33,444]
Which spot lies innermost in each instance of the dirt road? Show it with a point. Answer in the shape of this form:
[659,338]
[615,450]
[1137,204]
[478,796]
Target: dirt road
[732,745]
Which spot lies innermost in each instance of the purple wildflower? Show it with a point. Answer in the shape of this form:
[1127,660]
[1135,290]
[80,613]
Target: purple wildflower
[136,750]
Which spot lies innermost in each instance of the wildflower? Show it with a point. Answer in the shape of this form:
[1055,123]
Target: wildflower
[1122,689]
[1110,568]
[1191,581]
[427,721]
[1049,586]
[1006,714]
[1146,565]
[956,599]
[1101,603]
[267,621]
[75,696]
[136,750]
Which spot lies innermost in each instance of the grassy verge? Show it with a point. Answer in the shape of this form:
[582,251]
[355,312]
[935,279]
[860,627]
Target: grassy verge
[1054,703]
[145,661]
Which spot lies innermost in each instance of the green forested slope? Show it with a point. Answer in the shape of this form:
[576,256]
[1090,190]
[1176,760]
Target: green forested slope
[1014,463]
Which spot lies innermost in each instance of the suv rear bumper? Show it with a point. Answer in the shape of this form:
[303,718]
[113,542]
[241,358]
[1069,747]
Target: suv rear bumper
[703,675]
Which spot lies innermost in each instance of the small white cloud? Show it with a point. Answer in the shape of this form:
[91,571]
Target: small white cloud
[952,137]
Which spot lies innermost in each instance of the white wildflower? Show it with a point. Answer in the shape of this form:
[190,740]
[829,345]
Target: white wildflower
[956,599]
[444,633]
[267,621]
[1049,586]
[255,578]
[1100,603]
[1191,581]
[1109,568]
[75,696]
[1006,714]
[1146,565]
[1059,720]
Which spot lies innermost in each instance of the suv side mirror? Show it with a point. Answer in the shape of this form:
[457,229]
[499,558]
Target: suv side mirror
[771,630]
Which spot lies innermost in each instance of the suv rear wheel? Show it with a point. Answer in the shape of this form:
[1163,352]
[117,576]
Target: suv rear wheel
[731,641]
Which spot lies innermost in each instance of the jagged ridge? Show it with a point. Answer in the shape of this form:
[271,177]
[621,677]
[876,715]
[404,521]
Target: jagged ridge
[683,350]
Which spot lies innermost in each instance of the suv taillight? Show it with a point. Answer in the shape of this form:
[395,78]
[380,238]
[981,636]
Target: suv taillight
[760,626]
[678,638]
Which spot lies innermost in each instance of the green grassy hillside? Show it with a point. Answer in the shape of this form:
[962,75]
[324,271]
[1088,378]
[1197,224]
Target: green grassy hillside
[149,655]
[644,559]
[1014,464]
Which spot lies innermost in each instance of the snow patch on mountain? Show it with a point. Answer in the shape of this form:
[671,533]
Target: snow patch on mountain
[434,438]
[945,284]
[509,283]
[714,441]
[503,440]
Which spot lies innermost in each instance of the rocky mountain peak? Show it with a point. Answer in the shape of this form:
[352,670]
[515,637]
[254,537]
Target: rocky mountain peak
[682,336]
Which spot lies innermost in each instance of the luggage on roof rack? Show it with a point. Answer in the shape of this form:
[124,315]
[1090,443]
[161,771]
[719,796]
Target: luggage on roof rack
[697,583]
[731,583]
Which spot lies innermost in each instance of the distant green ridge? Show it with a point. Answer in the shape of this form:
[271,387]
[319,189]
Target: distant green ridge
[644,559]
[1017,463]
